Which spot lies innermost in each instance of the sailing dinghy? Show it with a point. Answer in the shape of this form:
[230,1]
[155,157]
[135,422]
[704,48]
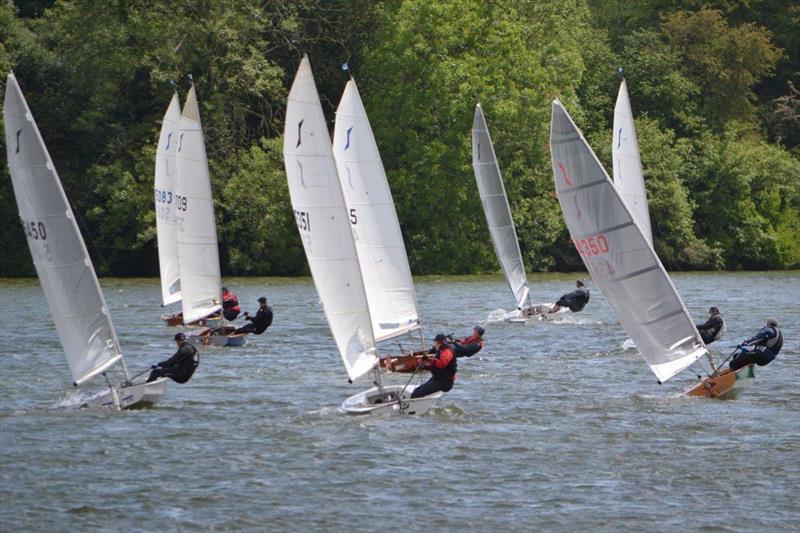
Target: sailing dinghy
[379,242]
[501,224]
[624,265]
[328,240]
[198,253]
[63,265]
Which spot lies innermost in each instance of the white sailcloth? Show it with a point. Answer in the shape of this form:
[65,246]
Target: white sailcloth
[59,253]
[166,223]
[628,177]
[618,256]
[497,210]
[376,229]
[324,225]
[197,230]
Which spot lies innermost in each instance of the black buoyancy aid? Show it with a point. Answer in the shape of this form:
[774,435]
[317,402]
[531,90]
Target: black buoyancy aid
[775,343]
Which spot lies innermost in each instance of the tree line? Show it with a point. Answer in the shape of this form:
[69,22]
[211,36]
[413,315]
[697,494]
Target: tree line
[713,87]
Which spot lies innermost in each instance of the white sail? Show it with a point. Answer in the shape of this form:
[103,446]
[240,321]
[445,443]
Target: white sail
[618,256]
[324,225]
[628,178]
[198,255]
[496,208]
[166,223]
[59,253]
[376,229]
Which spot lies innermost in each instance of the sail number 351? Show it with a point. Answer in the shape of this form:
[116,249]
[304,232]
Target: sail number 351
[303,220]
[590,246]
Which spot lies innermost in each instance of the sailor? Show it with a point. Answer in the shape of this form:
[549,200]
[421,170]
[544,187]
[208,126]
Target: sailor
[469,346]
[230,305]
[575,300]
[259,323]
[442,366]
[713,328]
[180,366]
[766,345]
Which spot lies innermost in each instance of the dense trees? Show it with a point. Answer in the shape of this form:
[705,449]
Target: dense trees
[711,83]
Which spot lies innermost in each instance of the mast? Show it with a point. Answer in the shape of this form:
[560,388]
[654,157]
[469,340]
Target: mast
[59,253]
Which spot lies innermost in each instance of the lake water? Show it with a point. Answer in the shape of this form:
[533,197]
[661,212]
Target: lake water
[553,426]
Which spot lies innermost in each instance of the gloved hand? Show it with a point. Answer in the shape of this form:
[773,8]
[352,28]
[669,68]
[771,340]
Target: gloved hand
[153,367]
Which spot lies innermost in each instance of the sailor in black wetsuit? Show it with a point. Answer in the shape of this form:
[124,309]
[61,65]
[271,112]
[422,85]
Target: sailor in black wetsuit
[469,346]
[713,328]
[443,368]
[259,323]
[180,366]
[766,345]
[575,300]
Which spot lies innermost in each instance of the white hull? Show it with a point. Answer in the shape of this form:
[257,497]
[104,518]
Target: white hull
[127,397]
[534,312]
[365,403]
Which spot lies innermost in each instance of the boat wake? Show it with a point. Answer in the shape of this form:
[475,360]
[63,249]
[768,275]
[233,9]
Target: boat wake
[498,315]
[628,344]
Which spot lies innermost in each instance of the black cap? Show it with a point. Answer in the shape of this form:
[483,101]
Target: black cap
[440,337]
[224,289]
[180,337]
[579,282]
[479,330]
[713,310]
[262,299]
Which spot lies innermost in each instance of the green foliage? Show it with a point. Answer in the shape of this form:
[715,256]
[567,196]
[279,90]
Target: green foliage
[711,85]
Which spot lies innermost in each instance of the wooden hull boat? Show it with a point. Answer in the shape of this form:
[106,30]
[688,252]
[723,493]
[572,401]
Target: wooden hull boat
[221,336]
[395,400]
[402,363]
[130,396]
[725,385]
[176,320]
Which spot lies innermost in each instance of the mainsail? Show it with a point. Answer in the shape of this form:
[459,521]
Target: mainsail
[618,256]
[376,229]
[324,225]
[166,223]
[628,178]
[496,208]
[59,253]
[197,230]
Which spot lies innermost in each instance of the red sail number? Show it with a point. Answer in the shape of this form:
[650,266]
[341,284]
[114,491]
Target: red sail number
[596,245]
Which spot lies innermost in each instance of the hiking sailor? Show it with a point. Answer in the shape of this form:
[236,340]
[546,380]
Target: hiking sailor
[766,345]
[259,323]
[713,328]
[442,366]
[469,346]
[180,366]
[575,300]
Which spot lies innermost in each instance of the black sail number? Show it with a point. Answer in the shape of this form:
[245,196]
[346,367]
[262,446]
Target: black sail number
[35,230]
[353,217]
[303,219]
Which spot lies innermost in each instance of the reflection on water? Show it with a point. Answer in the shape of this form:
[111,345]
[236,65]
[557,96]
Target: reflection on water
[554,425]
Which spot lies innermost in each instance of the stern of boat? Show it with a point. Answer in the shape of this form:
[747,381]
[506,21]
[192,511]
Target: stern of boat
[725,386]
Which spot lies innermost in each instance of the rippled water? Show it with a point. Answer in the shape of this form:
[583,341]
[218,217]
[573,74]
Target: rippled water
[555,426]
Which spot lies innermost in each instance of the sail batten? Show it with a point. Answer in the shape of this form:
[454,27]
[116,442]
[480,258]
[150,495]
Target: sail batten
[324,225]
[198,253]
[497,209]
[59,253]
[373,219]
[621,262]
[627,164]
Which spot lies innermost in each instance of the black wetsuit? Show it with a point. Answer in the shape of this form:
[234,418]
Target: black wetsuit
[575,300]
[259,323]
[711,330]
[443,374]
[766,345]
[179,367]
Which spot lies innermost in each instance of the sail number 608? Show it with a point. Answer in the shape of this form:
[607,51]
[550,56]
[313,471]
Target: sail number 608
[596,245]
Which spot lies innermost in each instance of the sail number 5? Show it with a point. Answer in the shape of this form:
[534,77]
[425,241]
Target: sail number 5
[590,246]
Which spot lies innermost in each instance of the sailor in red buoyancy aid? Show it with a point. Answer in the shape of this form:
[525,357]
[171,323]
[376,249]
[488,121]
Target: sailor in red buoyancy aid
[230,305]
[469,346]
[442,366]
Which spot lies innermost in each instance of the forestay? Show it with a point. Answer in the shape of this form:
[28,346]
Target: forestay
[373,219]
[324,225]
[166,223]
[628,177]
[618,256]
[496,208]
[59,253]
[194,209]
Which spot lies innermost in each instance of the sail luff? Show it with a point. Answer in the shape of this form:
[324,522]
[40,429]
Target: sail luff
[324,226]
[198,253]
[627,164]
[166,221]
[375,227]
[497,209]
[618,256]
[59,253]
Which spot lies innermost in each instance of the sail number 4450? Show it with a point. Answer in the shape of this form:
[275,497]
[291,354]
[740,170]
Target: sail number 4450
[596,245]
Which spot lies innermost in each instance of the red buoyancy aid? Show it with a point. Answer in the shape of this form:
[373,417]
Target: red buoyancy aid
[469,340]
[229,298]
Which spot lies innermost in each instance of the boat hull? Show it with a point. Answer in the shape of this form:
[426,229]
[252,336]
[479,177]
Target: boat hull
[534,312]
[134,396]
[726,385]
[176,320]
[220,337]
[402,363]
[370,402]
